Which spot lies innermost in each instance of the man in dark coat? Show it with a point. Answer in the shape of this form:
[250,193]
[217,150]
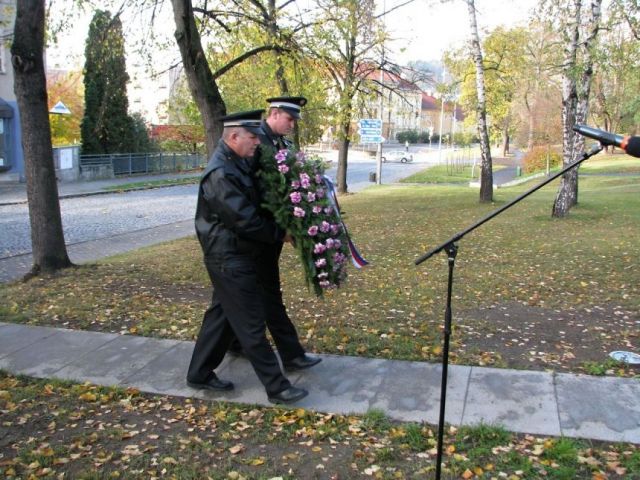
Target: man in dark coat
[234,234]
[283,114]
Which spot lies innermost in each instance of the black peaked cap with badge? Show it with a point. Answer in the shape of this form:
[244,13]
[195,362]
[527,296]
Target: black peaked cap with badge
[291,105]
[249,120]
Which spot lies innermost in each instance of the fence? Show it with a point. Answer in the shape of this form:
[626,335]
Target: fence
[109,166]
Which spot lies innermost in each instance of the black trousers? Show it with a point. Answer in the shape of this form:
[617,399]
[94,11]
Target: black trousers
[279,324]
[237,310]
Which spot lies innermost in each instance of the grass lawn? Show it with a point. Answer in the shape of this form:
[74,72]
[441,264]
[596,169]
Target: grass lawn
[154,183]
[447,174]
[530,292]
[54,429]
[617,163]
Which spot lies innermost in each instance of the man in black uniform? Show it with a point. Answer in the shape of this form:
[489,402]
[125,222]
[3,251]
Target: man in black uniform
[281,120]
[233,235]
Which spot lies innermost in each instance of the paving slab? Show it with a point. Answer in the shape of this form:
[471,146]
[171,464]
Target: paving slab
[343,384]
[523,400]
[602,408]
[410,391]
[49,354]
[166,374]
[14,337]
[117,360]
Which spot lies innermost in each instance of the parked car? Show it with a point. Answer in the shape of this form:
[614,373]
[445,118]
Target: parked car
[397,156]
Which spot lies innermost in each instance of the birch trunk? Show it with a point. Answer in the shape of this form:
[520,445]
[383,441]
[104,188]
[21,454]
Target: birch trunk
[486,174]
[576,89]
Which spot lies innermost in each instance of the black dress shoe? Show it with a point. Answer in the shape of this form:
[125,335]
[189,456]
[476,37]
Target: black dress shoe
[212,383]
[301,362]
[291,394]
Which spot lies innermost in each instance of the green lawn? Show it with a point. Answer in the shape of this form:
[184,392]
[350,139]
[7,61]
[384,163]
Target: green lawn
[568,290]
[451,173]
[54,429]
[523,261]
[608,164]
[155,183]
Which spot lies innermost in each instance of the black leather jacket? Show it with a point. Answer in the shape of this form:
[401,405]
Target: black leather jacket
[228,221]
[271,139]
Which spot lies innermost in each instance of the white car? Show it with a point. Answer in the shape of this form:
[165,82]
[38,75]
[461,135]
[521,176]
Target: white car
[397,156]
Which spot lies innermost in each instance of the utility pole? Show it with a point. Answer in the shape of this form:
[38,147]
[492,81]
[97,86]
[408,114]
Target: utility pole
[441,121]
[379,152]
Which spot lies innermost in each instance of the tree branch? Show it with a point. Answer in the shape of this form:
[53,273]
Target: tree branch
[244,56]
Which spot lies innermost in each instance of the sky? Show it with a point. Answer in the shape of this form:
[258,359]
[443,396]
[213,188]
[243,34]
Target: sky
[423,29]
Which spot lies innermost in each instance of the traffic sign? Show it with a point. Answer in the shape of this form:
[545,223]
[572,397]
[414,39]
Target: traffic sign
[371,139]
[370,131]
[370,123]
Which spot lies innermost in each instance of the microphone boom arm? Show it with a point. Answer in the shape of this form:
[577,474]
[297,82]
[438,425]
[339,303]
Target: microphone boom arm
[596,149]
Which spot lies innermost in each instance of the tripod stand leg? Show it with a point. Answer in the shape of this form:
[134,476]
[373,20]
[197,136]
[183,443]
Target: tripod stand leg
[452,251]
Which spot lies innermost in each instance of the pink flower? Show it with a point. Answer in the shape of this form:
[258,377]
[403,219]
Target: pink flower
[295,197]
[322,275]
[317,209]
[300,156]
[325,227]
[299,212]
[324,284]
[337,243]
[319,248]
[311,197]
[295,184]
[339,258]
[313,230]
[283,168]
[328,210]
[305,181]
[321,263]
[281,156]
[335,228]
[330,242]
[318,178]
[320,193]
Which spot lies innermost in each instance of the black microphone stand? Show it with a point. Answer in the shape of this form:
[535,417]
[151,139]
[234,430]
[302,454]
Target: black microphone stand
[451,249]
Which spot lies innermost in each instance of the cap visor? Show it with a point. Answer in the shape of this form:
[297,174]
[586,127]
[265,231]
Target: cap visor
[254,130]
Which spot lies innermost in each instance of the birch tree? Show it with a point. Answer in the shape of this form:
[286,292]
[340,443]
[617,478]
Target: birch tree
[579,35]
[486,172]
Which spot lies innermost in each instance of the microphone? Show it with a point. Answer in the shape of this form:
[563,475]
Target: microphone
[631,145]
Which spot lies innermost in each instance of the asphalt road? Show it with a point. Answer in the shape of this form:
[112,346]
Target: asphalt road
[102,216]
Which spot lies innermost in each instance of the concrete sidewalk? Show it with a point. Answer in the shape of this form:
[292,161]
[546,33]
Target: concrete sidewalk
[16,193]
[602,408]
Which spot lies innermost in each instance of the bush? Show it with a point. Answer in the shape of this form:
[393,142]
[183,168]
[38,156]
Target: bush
[536,160]
[408,135]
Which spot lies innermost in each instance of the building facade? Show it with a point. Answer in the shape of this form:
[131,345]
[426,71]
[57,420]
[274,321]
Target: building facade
[11,157]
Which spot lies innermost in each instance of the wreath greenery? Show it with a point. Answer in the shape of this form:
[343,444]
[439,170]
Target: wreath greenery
[298,195]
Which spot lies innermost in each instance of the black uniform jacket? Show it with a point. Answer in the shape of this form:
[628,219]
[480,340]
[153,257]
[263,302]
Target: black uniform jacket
[269,138]
[229,223]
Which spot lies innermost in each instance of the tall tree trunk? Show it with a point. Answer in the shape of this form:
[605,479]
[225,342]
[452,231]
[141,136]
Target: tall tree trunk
[202,84]
[486,175]
[575,99]
[47,237]
[532,125]
[505,141]
[343,153]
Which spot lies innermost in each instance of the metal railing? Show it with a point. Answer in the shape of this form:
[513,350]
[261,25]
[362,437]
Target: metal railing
[136,163]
